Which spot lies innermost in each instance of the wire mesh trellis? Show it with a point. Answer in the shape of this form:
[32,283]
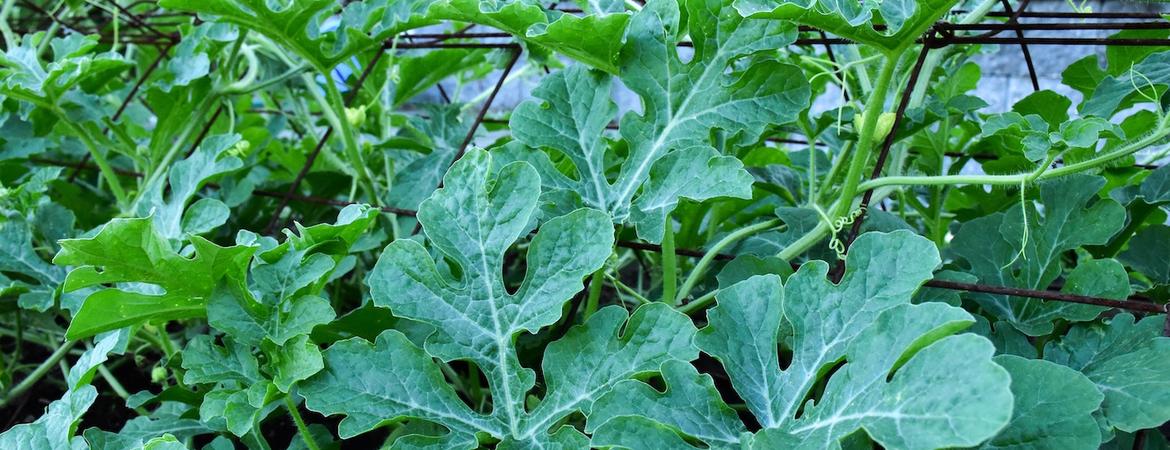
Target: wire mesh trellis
[940,35]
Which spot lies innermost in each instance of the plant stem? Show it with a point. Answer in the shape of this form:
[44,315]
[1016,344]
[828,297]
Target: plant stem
[935,57]
[155,172]
[99,158]
[235,52]
[334,109]
[819,232]
[699,303]
[302,429]
[594,299]
[874,106]
[834,170]
[669,263]
[258,439]
[1042,173]
[31,380]
[701,267]
[10,40]
[1150,138]
[169,349]
[250,88]
[54,27]
[628,290]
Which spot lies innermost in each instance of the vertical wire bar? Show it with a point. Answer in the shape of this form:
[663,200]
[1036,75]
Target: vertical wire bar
[1014,20]
[138,20]
[487,104]
[126,101]
[296,184]
[833,59]
[886,145]
[1139,439]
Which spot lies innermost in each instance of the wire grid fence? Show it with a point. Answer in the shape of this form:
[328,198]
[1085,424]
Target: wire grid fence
[147,29]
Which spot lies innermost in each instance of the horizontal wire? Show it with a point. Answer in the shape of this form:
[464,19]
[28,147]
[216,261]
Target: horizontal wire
[1134,303]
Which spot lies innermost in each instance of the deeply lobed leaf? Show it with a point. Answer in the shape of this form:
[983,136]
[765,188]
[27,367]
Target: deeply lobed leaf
[897,382]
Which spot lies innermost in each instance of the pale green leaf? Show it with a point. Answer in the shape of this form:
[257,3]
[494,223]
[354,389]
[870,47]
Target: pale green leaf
[592,39]
[203,216]
[472,221]
[587,361]
[55,428]
[906,20]
[1052,409]
[286,282]
[294,361]
[206,362]
[443,133]
[252,322]
[900,381]
[671,154]
[133,251]
[171,214]
[1149,77]
[1128,362]
[238,410]
[164,442]
[386,382]
[691,400]
[298,25]
[1071,216]
[141,429]
[25,76]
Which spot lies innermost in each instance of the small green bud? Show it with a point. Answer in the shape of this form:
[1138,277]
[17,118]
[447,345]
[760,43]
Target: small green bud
[241,149]
[158,374]
[356,116]
[885,123]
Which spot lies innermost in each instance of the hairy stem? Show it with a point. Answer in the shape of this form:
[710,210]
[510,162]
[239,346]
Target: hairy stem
[302,429]
[874,106]
[334,108]
[99,158]
[669,263]
[1043,173]
[704,262]
[594,299]
[31,380]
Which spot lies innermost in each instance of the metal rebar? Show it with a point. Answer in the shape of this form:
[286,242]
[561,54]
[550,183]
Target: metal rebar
[312,158]
[126,101]
[887,144]
[1134,303]
[1014,20]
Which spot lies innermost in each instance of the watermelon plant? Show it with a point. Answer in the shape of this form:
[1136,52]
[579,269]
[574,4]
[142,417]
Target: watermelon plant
[662,224]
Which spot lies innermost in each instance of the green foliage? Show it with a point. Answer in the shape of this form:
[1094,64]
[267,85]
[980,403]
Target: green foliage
[476,319]
[133,250]
[458,224]
[998,252]
[669,144]
[898,361]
